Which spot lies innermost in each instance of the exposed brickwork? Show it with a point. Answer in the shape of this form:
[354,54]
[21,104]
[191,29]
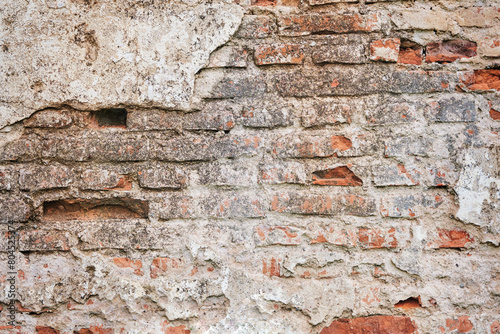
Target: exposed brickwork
[250,166]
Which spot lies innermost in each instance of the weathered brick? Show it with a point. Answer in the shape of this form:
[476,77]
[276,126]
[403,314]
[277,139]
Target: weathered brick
[307,146]
[382,238]
[153,119]
[325,113]
[266,115]
[105,147]
[332,235]
[489,47]
[278,54]
[462,324]
[477,16]
[362,81]
[283,172]
[256,26]
[298,25]
[95,209]
[8,178]
[410,53]
[224,173]
[343,54]
[375,324]
[481,80]
[317,204]
[45,177]
[277,235]
[404,146]
[177,207]
[101,179]
[95,330]
[399,175]
[49,118]
[210,118]
[215,205]
[163,178]
[13,209]
[410,206]
[23,149]
[228,56]
[457,108]
[449,51]
[200,148]
[233,205]
[442,175]
[125,234]
[338,176]
[230,85]
[385,50]
[389,111]
[422,19]
[46,240]
[455,238]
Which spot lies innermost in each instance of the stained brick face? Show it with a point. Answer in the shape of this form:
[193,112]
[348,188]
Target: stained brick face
[250,166]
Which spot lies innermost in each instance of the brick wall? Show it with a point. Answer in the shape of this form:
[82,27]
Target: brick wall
[334,169]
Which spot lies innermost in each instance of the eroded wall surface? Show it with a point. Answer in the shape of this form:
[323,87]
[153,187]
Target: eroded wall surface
[250,166]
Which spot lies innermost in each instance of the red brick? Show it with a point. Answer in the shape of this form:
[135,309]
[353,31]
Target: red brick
[123,262]
[278,54]
[277,235]
[338,176]
[449,51]
[494,114]
[95,209]
[462,324]
[333,235]
[271,267]
[410,53]
[45,330]
[95,330]
[311,204]
[409,303]
[482,80]
[385,49]
[495,327]
[381,238]
[384,324]
[455,238]
[297,25]
[181,329]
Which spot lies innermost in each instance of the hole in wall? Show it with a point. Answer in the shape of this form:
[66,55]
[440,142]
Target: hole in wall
[109,118]
[95,209]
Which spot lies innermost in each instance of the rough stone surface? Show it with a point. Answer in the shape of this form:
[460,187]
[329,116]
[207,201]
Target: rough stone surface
[250,166]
